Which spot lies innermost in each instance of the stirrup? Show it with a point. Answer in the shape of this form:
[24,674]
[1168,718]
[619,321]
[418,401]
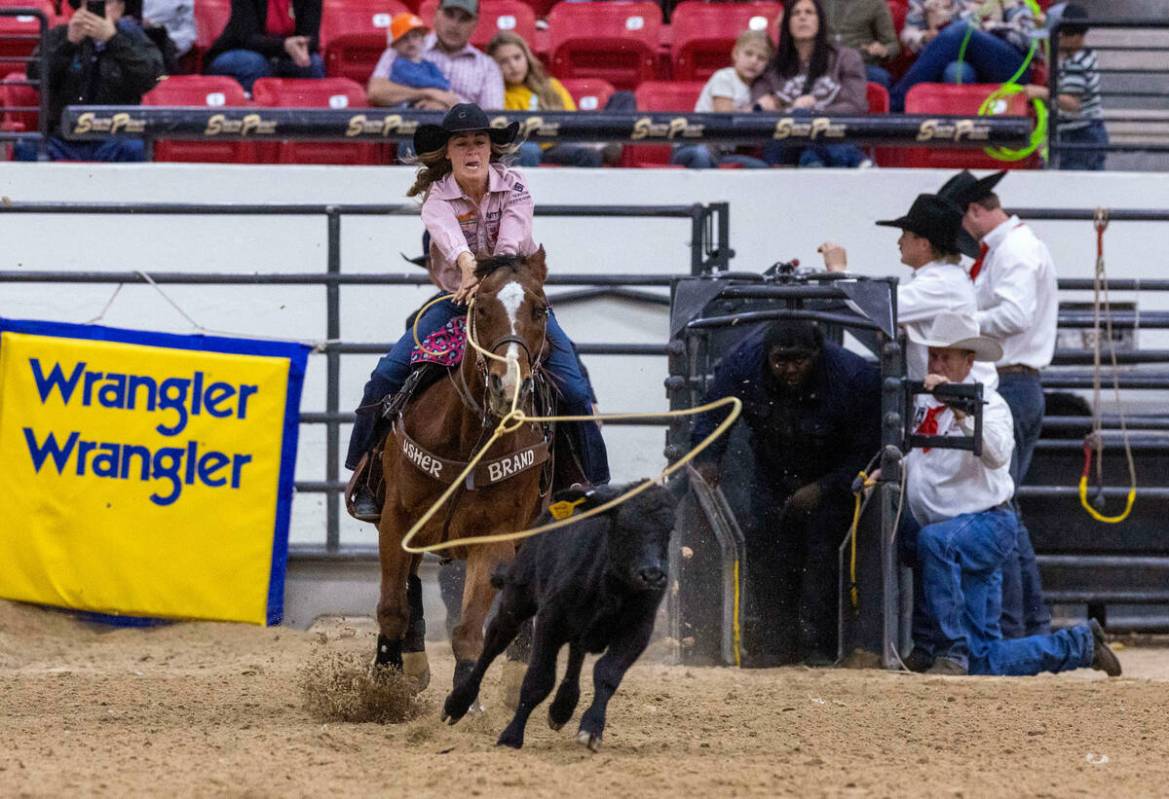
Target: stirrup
[364,492]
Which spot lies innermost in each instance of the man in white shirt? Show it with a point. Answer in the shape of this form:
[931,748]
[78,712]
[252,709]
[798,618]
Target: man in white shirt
[1015,287]
[932,243]
[969,528]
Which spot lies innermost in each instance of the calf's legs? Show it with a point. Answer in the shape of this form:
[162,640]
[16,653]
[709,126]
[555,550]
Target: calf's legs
[567,696]
[503,629]
[538,683]
[608,672]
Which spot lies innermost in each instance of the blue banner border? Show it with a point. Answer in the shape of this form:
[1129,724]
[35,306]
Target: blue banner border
[297,355]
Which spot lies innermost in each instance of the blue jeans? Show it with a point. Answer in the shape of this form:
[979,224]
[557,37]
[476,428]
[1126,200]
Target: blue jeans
[700,156]
[393,369]
[812,155]
[532,154]
[878,74]
[1094,134]
[248,66]
[108,150]
[1024,611]
[993,60]
[961,559]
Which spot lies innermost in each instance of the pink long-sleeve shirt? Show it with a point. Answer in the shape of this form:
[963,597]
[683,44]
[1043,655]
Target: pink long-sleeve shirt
[501,224]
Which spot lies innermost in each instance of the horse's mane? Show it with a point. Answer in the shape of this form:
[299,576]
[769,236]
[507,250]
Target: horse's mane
[486,265]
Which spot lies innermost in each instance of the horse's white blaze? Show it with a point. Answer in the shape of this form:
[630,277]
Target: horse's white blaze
[512,297]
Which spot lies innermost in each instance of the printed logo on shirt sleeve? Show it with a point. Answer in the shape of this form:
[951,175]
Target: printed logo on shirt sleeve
[519,189]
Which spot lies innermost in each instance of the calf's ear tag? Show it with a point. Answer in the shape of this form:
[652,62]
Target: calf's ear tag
[563,509]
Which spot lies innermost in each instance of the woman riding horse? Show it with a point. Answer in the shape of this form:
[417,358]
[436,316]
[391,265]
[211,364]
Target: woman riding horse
[472,204]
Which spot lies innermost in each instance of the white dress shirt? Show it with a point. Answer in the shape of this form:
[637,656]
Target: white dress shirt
[931,289]
[1017,295]
[944,483]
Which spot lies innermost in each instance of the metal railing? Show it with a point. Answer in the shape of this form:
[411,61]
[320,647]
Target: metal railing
[709,251]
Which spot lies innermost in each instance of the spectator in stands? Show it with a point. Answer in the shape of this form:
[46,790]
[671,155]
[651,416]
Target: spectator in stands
[170,24]
[1081,119]
[95,60]
[269,38]
[992,38]
[809,74]
[729,89]
[812,410]
[527,87]
[407,39]
[867,27]
[473,75]
[962,502]
[1018,306]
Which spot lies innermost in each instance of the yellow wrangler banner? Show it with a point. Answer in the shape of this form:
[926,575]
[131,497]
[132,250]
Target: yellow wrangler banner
[146,474]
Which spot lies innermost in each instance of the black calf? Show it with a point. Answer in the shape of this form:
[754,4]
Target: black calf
[596,586]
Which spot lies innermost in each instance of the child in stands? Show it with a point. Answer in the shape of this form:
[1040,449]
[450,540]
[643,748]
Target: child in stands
[407,37]
[1080,118]
[729,90]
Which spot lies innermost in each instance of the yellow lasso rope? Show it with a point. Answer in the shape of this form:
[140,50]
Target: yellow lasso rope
[516,418]
[853,589]
[1096,439]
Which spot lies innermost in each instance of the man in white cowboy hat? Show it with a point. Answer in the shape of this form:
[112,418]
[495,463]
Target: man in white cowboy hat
[1015,286]
[968,528]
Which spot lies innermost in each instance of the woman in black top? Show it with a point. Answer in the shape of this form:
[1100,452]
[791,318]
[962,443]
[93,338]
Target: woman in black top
[266,38]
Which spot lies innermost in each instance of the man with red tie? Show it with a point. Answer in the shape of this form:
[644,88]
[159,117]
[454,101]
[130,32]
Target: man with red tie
[969,529]
[1015,287]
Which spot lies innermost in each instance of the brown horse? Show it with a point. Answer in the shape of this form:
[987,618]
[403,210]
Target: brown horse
[438,432]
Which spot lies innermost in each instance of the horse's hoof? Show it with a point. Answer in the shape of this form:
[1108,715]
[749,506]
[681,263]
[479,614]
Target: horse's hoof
[510,683]
[586,738]
[416,667]
[555,725]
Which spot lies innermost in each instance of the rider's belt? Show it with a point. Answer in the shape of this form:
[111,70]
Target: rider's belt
[487,473]
[1017,368]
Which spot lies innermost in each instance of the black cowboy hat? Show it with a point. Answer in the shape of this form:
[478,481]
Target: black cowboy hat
[421,260]
[964,188]
[462,118]
[939,220]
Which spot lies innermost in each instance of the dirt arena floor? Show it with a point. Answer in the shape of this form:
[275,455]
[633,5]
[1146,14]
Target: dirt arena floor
[214,709]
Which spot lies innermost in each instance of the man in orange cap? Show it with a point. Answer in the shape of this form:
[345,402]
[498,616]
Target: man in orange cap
[407,37]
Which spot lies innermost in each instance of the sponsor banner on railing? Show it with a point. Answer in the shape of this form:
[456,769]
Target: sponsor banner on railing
[371,124]
[146,474]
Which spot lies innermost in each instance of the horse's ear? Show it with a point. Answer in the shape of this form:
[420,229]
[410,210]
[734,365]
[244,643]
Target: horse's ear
[538,264]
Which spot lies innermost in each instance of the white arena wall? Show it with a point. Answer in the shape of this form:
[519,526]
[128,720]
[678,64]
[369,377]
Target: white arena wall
[774,215]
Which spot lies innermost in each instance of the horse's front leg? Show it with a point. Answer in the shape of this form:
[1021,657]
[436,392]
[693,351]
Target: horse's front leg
[393,615]
[467,639]
[414,660]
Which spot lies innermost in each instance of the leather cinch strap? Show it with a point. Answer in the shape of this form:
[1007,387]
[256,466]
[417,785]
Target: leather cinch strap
[486,473]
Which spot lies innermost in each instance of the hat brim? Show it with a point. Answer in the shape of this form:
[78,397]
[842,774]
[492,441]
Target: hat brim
[984,349]
[983,187]
[965,243]
[428,138]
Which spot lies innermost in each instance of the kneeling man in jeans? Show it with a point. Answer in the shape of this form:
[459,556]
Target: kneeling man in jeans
[968,527]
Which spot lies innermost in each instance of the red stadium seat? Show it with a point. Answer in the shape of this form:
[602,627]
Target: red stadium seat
[20,35]
[211,17]
[614,41]
[961,100]
[878,98]
[660,96]
[494,16]
[704,34]
[354,35]
[14,95]
[205,91]
[336,93]
[589,94]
